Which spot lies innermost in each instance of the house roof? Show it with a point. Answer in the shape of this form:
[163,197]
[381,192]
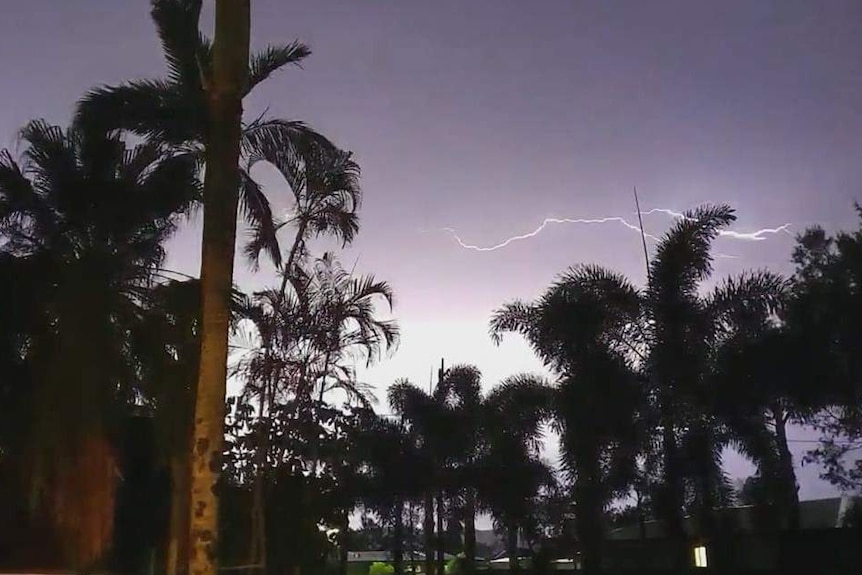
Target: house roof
[813,514]
[367,556]
[384,556]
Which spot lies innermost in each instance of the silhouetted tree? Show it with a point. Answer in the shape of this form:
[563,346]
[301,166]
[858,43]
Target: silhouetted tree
[429,416]
[84,216]
[199,106]
[510,474]
[827,303]
[581,329]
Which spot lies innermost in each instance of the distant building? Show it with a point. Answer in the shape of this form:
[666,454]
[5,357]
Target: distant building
[827,513]
[358,562]
[745,539]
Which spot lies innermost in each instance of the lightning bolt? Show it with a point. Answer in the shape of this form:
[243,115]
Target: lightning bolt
[757,235]
[542,226]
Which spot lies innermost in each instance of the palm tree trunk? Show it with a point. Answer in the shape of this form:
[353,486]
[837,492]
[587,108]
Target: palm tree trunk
[589,506]
[441,562]
[287,270]
[178,528]
[428,532]
[344,541]
[257,539]
[789,488]
[708,505]
[641,514]
[411,536]
[470,531]
[674,489]
[398,538]
[221,182]
[512,549]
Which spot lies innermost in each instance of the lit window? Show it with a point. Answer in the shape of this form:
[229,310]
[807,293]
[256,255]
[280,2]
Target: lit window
[700,556]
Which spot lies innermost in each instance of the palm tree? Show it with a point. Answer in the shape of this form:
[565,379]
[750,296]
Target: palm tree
[684,331]
[87,215]
[308,338]
[395,470]
[463,386]
[509,472]
[582,328]
[200,104]
[167,345]
[225,91]
[176,112]
[431,420]
[593,326]
[168,338]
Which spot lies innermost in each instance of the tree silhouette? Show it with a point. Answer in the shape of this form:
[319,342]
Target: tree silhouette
[84,216]
[199,107]
[580,328]
[826,304]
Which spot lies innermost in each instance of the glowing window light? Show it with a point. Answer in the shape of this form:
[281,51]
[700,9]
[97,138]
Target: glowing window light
[700,556]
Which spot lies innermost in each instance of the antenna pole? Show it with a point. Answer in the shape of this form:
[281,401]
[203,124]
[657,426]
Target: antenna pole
[643,234]
[439,378]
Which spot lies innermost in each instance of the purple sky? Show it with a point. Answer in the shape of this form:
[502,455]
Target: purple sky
[490,116]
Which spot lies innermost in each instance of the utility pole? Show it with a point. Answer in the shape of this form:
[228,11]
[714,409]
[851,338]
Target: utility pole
[643,233]
[441,563]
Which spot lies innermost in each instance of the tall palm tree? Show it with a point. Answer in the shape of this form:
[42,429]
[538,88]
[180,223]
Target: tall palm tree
[431,419]
[88,215]
[175,111]
[509,471]
[167,347]
[224,89]
[463,386]
[593,326]
[681,338]
[684,330]
[582,329]
[395,470]
[200,105]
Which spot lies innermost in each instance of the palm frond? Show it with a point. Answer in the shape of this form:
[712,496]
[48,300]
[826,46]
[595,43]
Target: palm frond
[169,185]
[155,109]
[683,255]
[18,200]
[408,400]
[462,384]
[272,58]
[177,26]
[517,316]
[517,408]
[264,227]
[749,299]
[283,143]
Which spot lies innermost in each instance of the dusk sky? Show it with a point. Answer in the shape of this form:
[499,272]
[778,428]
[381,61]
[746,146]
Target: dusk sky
[488,116]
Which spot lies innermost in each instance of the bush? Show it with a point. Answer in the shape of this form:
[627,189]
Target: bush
[380,568]
[455,566]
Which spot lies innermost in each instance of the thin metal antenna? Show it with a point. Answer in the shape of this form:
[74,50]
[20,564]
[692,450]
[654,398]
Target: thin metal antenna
[643,233]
